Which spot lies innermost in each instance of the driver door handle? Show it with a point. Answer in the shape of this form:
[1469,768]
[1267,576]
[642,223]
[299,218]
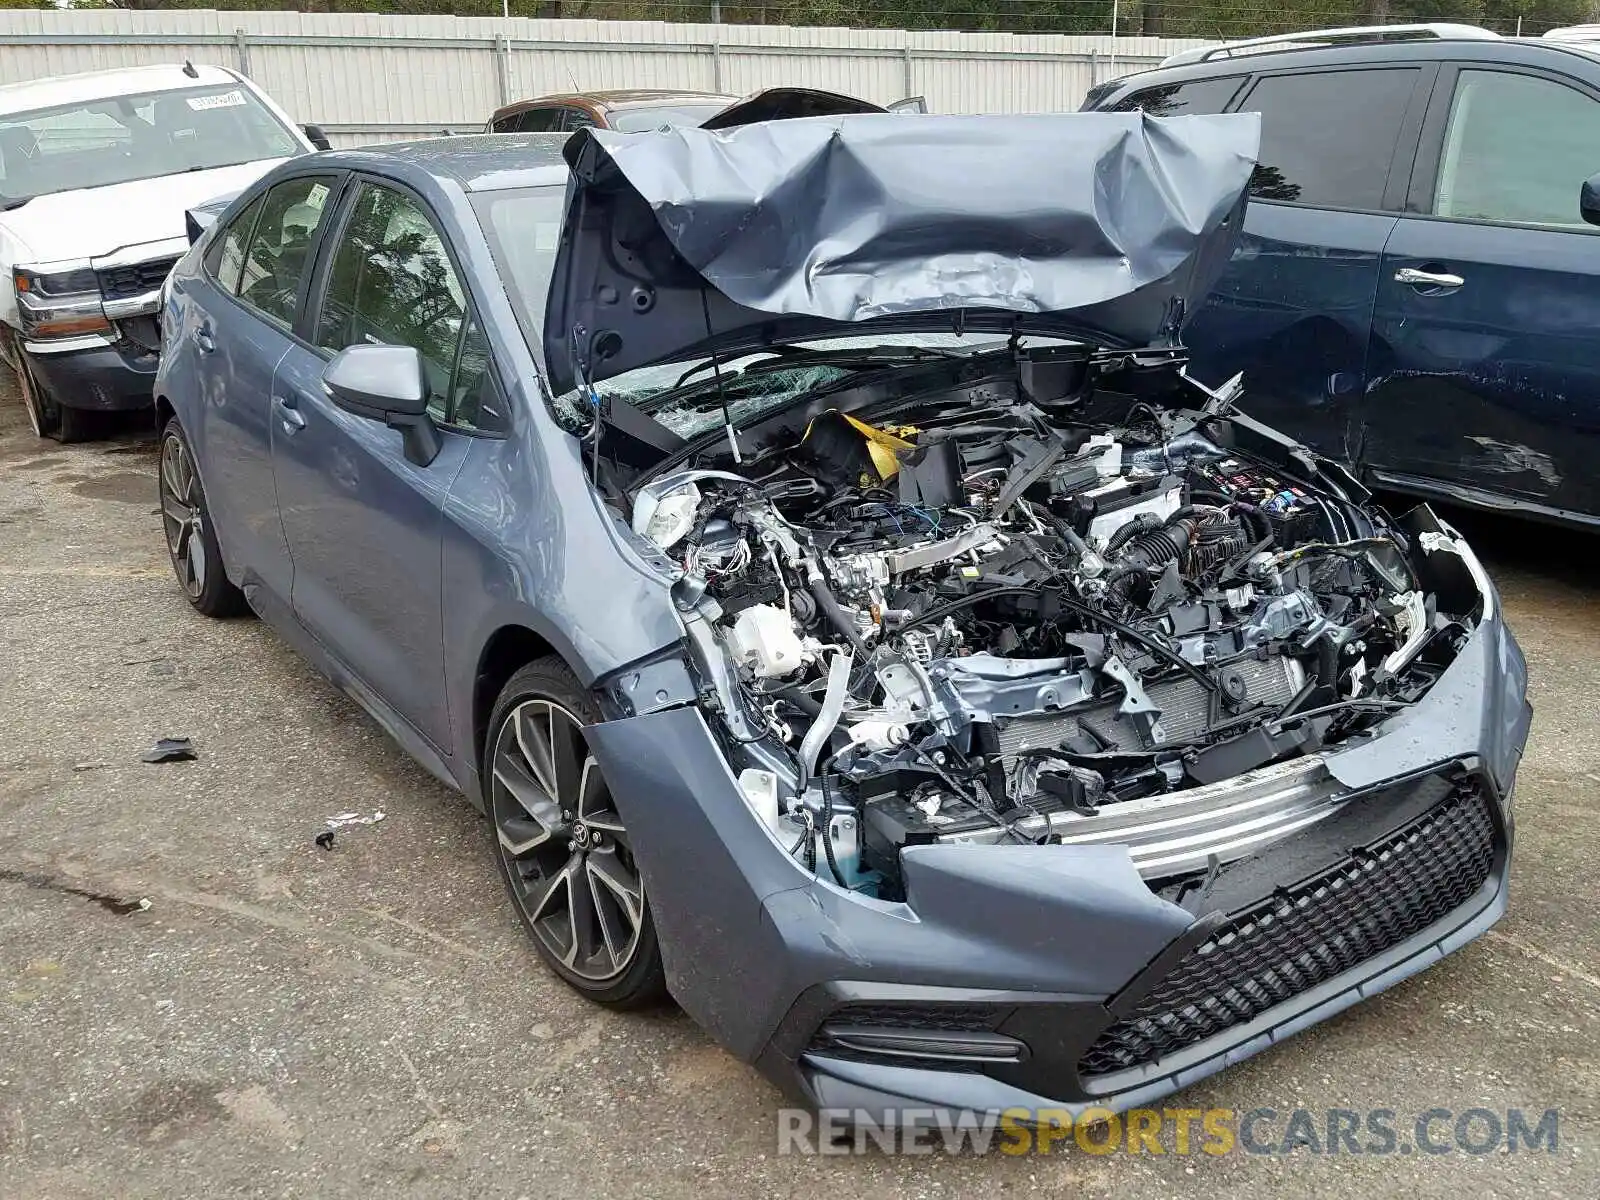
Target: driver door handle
[289,416]
[203,339]
[1427,279]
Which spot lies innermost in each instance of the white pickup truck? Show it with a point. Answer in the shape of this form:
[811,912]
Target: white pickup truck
[96,172]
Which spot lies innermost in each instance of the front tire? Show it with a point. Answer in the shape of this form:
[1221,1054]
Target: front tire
[565,856]
[43,415]
[48,416]
[191,539]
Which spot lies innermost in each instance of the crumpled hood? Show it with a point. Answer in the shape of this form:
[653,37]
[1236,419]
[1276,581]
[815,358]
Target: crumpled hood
[97,221]
[684,242]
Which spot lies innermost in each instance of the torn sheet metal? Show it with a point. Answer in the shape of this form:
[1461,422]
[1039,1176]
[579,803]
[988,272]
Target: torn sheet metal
[681,242]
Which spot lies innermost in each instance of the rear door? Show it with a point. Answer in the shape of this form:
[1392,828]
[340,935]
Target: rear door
[259,265]
[1486,339]
[1294,309]
[364,523]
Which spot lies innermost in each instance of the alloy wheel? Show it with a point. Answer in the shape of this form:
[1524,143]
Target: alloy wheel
[565,850]
[182,515]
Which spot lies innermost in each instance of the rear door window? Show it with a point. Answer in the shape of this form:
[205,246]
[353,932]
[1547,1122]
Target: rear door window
[1327,136]
[1517,150]
[280,247]
[1182,99]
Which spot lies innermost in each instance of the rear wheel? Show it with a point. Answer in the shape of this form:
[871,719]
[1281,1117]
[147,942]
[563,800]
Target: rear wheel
[191,541]
[564,853]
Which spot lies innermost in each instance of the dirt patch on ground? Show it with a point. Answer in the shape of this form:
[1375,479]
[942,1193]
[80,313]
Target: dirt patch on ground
[127,487]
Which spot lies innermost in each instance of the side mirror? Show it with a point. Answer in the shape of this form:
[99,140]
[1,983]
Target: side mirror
[385,383]
[316,137]
[911,104]
[1589,200]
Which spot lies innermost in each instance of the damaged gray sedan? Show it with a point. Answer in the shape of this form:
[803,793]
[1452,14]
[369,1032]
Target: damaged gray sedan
[854,620]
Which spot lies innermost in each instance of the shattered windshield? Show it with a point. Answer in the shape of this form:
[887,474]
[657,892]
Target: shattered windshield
[524,229]
[687,397]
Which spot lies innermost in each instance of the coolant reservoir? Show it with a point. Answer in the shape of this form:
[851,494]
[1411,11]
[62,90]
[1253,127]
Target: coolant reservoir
[763,639]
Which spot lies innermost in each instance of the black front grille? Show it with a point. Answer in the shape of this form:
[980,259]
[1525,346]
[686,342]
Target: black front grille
[1291,942]
[135,279]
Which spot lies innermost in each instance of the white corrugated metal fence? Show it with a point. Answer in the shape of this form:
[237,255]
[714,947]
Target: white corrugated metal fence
[369,78]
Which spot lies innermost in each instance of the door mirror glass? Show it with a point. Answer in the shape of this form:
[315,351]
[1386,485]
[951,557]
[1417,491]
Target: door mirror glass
[1589,200]
[378,381]
[316,137]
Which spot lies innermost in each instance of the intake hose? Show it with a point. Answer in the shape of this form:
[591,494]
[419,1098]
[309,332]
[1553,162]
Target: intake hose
[1157,547]
[1127,531]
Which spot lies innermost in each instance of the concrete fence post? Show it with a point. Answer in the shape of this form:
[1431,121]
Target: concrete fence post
[502,64]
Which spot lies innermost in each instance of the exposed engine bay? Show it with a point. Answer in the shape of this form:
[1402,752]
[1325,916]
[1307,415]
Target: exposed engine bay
[1025,613]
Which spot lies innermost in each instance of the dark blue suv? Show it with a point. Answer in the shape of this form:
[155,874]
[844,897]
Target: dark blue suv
[1418,288]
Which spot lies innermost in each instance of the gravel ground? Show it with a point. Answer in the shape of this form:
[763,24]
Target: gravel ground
[285,1020]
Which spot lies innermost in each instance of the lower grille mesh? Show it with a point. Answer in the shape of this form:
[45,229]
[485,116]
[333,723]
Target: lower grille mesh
[1288,944]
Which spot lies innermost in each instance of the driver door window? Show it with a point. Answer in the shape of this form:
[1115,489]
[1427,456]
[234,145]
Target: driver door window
[1517,150]
[392,283]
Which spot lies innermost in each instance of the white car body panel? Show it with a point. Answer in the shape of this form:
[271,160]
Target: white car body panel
[92,223]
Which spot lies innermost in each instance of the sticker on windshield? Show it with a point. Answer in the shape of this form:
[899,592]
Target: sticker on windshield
[546,235]
[317,196]
[225,100]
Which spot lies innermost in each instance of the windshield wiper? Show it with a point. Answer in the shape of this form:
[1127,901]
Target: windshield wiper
[7,205]
[787,357]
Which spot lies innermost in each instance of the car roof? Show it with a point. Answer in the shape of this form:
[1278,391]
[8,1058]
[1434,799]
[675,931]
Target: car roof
[483,162]
[104,85]
[1523,51]
[617,98]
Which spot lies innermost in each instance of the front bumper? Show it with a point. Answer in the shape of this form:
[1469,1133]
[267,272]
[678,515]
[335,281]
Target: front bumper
[101,376]
[1231,986]
[1117,995]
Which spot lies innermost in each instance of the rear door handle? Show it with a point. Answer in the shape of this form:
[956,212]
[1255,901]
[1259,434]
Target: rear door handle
[203,339]
[1427,279]
[289,416]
